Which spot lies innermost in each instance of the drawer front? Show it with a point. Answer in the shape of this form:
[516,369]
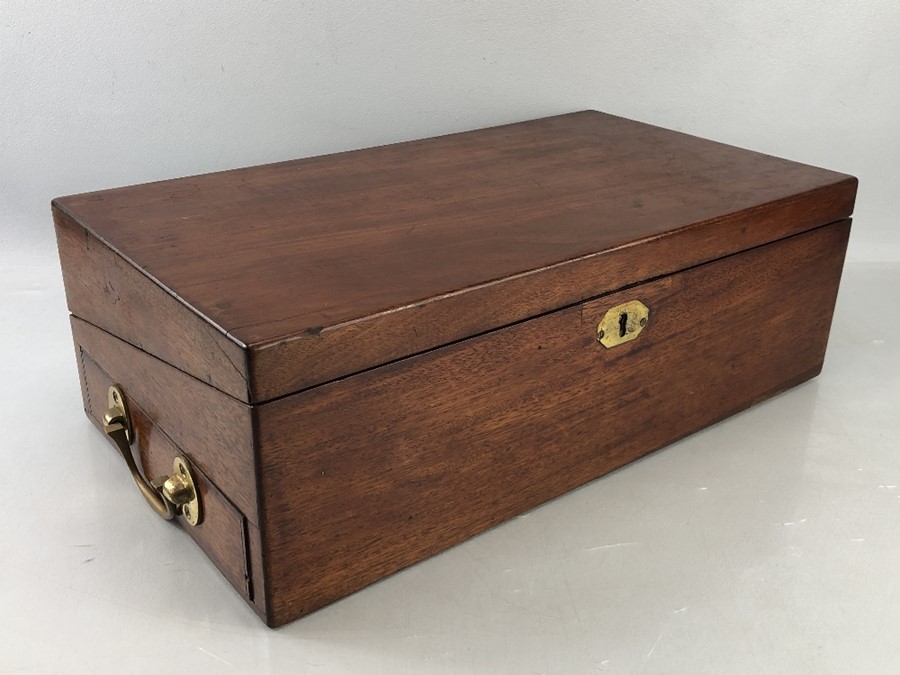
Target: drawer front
[223,532]
[371,473]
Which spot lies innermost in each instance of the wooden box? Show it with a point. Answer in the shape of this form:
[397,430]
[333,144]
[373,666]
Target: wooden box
[368,357]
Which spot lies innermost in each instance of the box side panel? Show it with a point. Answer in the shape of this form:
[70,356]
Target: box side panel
[372,473]
[223,532]
[212,428]
[108,291]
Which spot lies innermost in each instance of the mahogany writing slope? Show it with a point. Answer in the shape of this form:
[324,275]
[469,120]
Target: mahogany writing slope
[329,369]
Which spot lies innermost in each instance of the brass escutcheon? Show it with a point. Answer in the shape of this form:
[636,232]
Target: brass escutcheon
[622,323]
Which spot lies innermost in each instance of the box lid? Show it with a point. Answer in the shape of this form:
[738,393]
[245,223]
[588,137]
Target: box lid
[306,271]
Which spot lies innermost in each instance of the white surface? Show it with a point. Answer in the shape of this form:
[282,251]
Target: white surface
[103,93]
[766,544]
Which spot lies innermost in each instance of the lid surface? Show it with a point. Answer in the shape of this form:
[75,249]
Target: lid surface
[325,266]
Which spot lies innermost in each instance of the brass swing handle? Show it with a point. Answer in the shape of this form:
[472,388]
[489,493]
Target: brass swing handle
[167,495]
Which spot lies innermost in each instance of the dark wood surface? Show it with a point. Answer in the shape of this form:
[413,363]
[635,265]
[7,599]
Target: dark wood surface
[364,476]
[327,266]
[459,280]
[110,293]
[213,429]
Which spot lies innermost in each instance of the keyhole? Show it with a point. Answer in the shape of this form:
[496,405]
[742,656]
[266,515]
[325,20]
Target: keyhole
[623,324]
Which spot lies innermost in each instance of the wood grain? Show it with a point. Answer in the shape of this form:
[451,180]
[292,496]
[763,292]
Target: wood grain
[214,429]
[110,293]
[314,269]
[258,588]
[366,475]
[372,356]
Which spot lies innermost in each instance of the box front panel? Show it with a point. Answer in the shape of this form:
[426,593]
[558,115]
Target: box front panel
[369,474]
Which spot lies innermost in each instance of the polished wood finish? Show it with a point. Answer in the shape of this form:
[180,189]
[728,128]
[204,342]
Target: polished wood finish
[364,476]
[213,428]
[370,357]
[114,295]
[267,280]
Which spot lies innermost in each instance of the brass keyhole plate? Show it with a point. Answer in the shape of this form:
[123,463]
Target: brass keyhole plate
[622,323]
